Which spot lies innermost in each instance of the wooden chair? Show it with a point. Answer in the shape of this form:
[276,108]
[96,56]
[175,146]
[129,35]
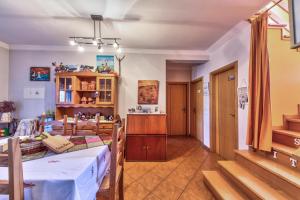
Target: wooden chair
[14,187]
[86,127]
[115,179]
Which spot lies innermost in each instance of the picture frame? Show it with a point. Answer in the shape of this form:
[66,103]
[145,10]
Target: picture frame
[148,91]
[40,73]
[105,63]
[294,19]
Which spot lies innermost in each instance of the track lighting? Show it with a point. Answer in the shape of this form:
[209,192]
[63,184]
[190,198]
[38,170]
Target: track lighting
[119,50]
[80,48]
[72,42]
[115,45]
[95,42]
[100,49]
[97,39]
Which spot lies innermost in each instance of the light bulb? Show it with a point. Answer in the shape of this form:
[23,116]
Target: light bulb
[101,49]
[115,45]
[95,42]
[119,50]
[80,48]
[72,42]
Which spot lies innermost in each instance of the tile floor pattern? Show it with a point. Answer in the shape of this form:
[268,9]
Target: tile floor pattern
[179,178]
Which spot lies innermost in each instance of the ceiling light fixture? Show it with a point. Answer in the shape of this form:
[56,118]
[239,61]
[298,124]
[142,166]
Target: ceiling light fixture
[96,39]
[100,49]
[72,42]
[80,48]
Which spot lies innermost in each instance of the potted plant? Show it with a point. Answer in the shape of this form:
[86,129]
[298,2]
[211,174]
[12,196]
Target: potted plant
[6,109]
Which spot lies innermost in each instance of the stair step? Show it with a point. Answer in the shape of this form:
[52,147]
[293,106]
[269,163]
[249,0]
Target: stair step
[292,122]
[277,174]
[287,137]
[254,187]
[283,149]
[220,187]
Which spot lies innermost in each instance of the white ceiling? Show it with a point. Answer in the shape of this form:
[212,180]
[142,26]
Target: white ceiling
[147,24]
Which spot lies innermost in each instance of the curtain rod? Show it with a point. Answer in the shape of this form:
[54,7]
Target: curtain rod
[275,4]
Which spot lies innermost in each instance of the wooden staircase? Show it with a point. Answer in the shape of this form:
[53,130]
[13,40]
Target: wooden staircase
[261,175]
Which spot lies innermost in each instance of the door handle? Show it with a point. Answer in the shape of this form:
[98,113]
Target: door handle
[232,115]
[184,109]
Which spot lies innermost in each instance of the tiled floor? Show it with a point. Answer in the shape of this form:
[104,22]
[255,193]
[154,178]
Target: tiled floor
[178,178]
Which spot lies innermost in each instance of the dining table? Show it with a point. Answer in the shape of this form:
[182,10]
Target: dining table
[68,176]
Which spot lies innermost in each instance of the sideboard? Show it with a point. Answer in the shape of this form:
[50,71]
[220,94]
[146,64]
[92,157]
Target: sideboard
[146,138]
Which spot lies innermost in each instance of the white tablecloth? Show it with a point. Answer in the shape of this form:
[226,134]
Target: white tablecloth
[70,176]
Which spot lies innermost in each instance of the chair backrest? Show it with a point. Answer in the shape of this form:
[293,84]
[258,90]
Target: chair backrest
[117,155]
[15,186]
[86,127]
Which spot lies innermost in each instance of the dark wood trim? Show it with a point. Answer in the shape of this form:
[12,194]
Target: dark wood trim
[212,108]
[191,106]
[187,84]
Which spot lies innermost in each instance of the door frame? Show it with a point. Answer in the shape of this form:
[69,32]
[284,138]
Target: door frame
[192,102]
[212,101]
[187,103]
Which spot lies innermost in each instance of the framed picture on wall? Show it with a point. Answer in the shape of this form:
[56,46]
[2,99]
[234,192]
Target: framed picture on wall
[105,63]
[39,73]
[148,91]
[294,15]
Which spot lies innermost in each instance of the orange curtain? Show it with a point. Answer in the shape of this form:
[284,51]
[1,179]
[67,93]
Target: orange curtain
[259,114]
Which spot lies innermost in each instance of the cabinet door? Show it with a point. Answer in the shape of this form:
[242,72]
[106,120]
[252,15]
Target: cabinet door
[135,148]
[156,148]
[136,124]
[106,90]
[156,124]
[65,90]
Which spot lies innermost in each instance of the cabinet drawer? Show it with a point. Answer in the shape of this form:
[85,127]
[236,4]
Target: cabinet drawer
[106,126]
[146,124]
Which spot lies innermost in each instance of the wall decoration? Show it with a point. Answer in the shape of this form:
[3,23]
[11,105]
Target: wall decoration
[148,91]
[206,89]
[243,97]
[105,64]
[39,73]
[294,15]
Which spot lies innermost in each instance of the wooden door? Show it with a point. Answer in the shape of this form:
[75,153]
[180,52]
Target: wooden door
[197,111]
[177,108]
[226,109]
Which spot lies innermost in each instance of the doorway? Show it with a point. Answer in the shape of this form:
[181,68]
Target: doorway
[177,105]
[196,110]
[224,134]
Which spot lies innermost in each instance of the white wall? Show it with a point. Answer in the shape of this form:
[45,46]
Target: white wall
[4,70]
[136,66]
[233,46]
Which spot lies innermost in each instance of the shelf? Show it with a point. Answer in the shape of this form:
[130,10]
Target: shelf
[85,74]
[83,106]
[86,90]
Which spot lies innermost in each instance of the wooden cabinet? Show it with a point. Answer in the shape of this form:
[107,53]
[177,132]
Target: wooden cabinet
[85,92]
[146,137]
[88,93]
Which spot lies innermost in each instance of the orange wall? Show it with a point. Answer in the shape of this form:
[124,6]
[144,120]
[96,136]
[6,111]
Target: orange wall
[284,75]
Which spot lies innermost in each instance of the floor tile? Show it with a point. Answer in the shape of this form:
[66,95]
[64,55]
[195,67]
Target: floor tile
[179,178]
[150,180]
[136,192]
[152,197]
[167,191]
